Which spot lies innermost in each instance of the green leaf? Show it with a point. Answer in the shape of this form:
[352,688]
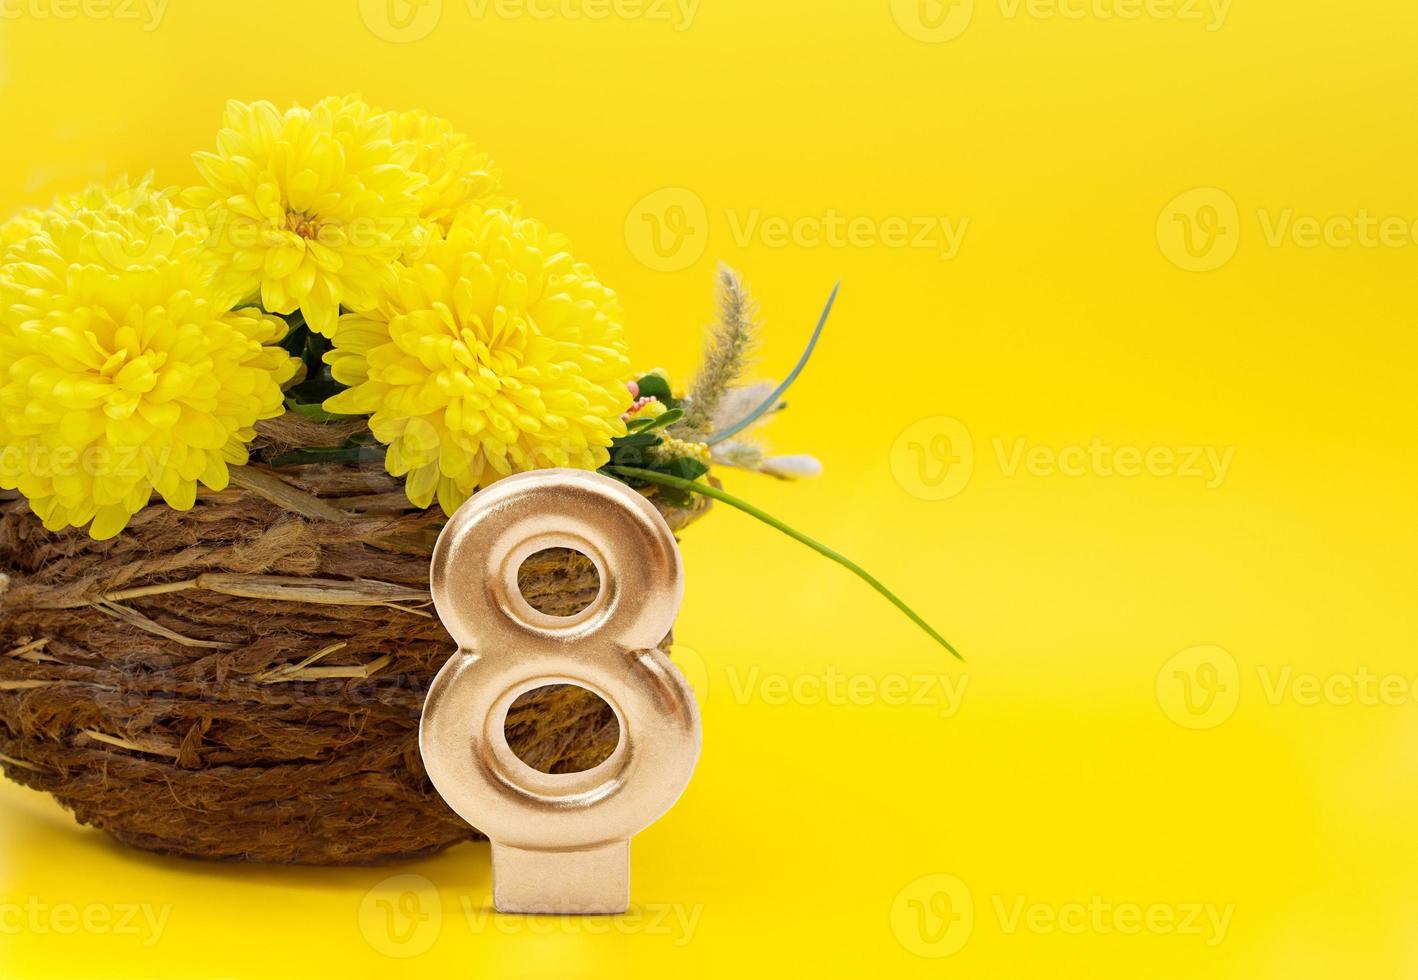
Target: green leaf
[635,439]
[329,454]
[665,480]
[664,419]
[654,386]
[318,386]
[311,410]
[685,467]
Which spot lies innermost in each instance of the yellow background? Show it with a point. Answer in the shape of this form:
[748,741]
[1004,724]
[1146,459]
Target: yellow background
[1074,782]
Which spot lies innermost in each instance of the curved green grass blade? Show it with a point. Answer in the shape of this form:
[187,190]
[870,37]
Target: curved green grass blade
[772,399]
[664,479]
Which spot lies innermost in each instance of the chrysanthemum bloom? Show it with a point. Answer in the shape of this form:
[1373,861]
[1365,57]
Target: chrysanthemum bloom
[497,353]
[19,227]
[309,208]
[121,370]
[459,175]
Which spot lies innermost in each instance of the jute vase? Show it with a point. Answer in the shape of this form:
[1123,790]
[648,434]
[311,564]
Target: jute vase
[243,681]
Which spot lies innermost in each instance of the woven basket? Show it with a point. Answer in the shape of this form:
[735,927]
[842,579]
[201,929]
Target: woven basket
[244,681]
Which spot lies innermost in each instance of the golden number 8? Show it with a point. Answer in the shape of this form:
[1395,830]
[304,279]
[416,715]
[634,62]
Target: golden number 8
[560,841]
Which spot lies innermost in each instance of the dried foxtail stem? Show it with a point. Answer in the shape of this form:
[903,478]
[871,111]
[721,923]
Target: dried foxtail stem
[725,356]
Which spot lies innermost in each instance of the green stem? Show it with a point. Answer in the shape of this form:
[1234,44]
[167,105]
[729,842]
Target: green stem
[664,479]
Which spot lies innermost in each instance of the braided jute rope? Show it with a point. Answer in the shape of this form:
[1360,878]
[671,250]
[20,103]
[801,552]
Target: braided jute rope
[244,681]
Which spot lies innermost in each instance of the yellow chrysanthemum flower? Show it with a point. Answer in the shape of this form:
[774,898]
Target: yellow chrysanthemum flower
[19,227]
[121,370]
[309,208]
[497,353]
[459,175]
